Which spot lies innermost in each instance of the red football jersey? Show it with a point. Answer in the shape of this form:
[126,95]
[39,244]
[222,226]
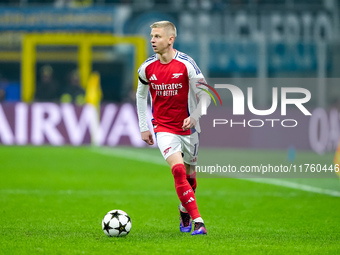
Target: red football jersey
[172,89]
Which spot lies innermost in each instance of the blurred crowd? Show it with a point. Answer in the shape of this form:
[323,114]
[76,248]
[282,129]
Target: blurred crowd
[222,59]
[204,4]
[49,88]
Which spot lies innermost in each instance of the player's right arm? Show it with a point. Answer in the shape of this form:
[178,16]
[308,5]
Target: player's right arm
[141,100]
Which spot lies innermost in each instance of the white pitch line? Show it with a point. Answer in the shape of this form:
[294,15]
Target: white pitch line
[294,185]
[145,157]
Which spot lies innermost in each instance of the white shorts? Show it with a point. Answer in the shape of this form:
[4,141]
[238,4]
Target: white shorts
[169,143]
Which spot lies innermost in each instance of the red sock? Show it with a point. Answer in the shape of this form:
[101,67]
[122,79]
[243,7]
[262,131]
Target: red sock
[192,181]
[184,191]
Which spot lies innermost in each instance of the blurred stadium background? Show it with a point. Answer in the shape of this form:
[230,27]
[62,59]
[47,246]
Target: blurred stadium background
[87,51]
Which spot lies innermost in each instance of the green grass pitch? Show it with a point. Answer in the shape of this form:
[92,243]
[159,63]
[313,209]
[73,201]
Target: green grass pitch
[54,198]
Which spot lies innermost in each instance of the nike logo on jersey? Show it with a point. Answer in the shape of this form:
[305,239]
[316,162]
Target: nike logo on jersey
[176,75]
[153,78]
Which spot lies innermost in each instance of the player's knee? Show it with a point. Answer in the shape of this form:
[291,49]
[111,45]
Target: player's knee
[179,171]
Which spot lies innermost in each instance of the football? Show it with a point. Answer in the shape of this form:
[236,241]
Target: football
[116,223]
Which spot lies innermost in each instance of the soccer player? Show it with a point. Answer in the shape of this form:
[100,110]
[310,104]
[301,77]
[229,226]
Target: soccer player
[174,81]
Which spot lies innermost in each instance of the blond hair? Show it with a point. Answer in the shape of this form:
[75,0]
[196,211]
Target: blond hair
[168,27]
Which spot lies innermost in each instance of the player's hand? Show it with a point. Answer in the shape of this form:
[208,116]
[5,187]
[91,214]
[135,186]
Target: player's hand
[188,123]
[147,137]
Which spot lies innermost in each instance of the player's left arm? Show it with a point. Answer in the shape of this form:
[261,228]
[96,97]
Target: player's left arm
[197,85]
[204,98]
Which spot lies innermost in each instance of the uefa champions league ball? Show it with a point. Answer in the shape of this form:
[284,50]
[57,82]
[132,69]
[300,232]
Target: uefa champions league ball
[116,223]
